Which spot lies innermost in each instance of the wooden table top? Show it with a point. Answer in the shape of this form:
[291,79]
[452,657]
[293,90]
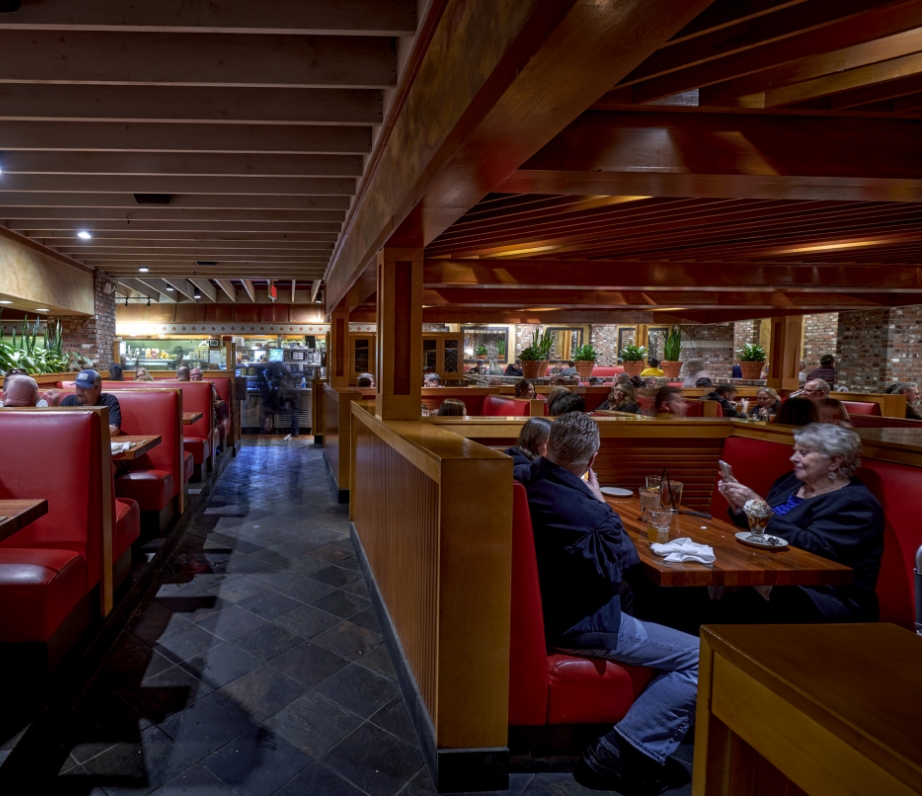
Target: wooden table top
[17,514]
[139,445]
[736,564]
[188,418]
[859,683]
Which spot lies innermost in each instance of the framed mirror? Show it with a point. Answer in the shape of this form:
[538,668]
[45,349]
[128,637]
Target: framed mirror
[656,339]
[566,340]
[626,336]
[495,340]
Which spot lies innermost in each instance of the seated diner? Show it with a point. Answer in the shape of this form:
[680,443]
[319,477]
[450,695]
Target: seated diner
[622,398]
[832,410]
[88,392]
[564,402]
[583,551]
[797,412]
[524,389]
[452,407]
[142,374]
[532,441]
[821,507]
[21,391]
[668,403]
[768,402]
[183,373]
[724,394]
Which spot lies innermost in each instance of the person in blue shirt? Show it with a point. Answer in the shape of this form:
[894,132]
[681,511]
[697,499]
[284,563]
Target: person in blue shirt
[583,552]
[88,392]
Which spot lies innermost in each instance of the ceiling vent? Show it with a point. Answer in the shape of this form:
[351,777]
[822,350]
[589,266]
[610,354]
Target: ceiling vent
[151,198]
[205,262]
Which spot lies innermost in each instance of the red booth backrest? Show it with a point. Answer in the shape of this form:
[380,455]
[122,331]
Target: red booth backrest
[862,407]
[876,421]
[756,463]
[527,652]
[55,455]
[222,387]
[606,372]
[499,406]
[693,408]
[156,411]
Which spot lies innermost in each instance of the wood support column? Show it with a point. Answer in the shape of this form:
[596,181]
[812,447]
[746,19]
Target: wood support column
[400,329]
[784,356]
[338,350]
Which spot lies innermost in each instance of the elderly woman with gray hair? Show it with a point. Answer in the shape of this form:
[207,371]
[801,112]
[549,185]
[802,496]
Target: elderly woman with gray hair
[823,508]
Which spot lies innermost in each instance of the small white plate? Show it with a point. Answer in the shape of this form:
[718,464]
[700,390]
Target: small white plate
[743,536]
[616,491]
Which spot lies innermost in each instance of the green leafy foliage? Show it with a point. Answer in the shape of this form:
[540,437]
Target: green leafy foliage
[25,351]
[584,353]
[480,351]
[633,353]
[501,347]
[672,347]
[530,354]
[752,352]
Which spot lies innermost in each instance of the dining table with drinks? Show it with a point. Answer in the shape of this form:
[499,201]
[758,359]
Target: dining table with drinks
[657,523]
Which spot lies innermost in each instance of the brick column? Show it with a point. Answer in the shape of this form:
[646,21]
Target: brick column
[94,336]
[879,347]
[820,337]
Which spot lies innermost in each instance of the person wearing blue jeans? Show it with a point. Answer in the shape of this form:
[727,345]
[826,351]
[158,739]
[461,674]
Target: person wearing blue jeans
[583,551]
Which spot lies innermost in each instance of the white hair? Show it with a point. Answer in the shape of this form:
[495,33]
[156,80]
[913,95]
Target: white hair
[832,440]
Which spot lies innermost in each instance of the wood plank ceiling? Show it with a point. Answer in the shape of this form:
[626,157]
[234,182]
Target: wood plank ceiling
[765,161]
[178,132]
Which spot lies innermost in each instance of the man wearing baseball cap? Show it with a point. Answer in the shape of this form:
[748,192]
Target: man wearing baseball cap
[89,393]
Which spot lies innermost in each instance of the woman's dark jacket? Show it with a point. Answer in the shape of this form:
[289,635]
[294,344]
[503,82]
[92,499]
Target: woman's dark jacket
[627,406]
[845,526]
[517,456]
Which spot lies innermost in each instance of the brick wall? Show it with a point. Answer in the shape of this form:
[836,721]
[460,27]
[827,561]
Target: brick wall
[821,336]
[523,333]
[94,336]
[879,347]
[745,332]
[714,345]
[605,341]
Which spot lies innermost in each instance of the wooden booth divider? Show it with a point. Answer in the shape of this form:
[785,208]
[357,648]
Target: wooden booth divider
[432,520]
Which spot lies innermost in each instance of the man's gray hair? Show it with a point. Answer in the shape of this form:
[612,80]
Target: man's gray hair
[24,382]
[821,384]
[832,440]
[902,386]
[573,439]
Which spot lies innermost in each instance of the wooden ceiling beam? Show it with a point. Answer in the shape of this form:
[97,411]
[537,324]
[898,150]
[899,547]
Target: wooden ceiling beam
[185,164]
[127,202]
[730,155]
[207,289]
[724,276]
[184,287]
[191,59]
[179,216]
[270,248]
[475,315]
[140,287]
[248,287]
[866,78]
[315,289]
[51,102]
[847,30]
[159,285]
[304,17]
[536,66]
[242,272]
[248,139]
[182,227]
[814,66]
[891,89]
[228,287]
[177,184]
[723,14]
[60,237]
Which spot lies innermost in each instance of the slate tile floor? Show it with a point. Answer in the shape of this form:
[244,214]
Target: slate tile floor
[255,665]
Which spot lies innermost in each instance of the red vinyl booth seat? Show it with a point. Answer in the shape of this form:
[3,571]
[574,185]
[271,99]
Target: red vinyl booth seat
[155,478]
[188,466]
[499,406]
[127,526]
[757,464]
[606,372]
[554,688]
[39,588]
[862,407]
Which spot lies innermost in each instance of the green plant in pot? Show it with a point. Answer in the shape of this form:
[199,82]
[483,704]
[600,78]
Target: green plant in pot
[632,357]
[481,352]
[501,348]
[584,359]
[672,350]
[543,342]
[752,358]
[531,361]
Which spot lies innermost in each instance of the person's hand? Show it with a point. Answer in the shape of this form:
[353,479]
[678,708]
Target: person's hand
[593,483]
[736,494]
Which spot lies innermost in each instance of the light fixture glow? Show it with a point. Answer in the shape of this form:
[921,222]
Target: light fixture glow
[144,269]
[84,235]
[169,288]
[41,309]
[196,295]
[6,302]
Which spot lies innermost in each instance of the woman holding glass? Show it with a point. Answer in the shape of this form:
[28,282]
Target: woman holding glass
[768,402]
[823,508]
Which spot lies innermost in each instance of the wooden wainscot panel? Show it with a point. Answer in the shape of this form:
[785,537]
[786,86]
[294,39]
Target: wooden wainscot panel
[433,512]
[337,435]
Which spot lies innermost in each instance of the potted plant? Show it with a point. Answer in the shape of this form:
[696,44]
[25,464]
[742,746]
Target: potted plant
[584,358]
[632,357]
[752,358]
[531,361]
[501,349]
[480,352]
[672,350]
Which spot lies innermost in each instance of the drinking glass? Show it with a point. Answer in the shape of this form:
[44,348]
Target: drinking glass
[649,500]
[672,495]
[659,523]
[654,481]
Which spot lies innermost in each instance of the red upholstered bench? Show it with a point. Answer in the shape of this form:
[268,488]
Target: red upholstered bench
[222,388]
[500,406]
[606,371]
[862,407]
[757,464]
[553,688]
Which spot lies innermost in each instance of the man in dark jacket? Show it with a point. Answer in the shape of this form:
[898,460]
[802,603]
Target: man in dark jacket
[582,552]
[723,394]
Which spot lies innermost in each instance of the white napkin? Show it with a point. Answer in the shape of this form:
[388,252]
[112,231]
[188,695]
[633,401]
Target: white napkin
[119,447]
[685,549]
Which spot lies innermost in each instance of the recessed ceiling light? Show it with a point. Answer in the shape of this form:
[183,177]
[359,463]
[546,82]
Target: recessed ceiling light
[144,269]
[169,288]
[6,302]
[84,235]
[196,295]
[41,309]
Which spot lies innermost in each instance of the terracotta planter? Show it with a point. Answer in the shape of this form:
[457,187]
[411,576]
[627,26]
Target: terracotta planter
[633,367]
[542,367]
[584,368]
[751,370]
[530,368]
[671,369]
